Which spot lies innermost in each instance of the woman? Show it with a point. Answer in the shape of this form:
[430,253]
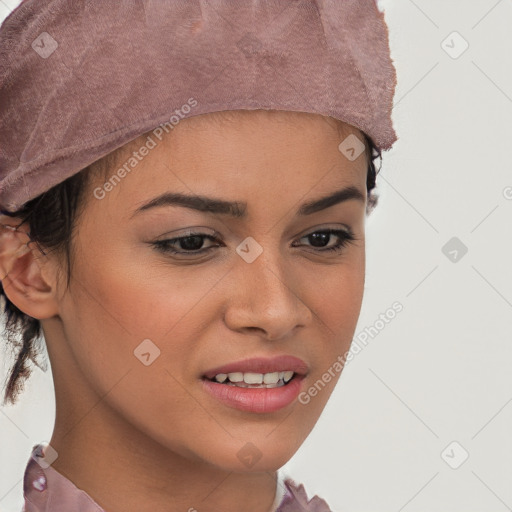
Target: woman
[189,238]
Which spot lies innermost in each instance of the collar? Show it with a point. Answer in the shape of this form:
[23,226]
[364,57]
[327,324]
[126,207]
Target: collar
[45,489]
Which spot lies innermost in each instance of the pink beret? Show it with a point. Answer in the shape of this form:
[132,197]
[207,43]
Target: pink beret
[80,78]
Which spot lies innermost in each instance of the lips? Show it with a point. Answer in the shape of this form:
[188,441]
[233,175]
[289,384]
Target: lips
[261,365]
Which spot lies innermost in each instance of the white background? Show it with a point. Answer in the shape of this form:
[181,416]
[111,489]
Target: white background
[440,371]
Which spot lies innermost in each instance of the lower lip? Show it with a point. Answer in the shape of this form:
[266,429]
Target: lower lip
[262,400]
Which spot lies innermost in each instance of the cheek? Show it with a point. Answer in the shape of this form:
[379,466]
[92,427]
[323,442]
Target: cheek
[112,309]
[335,295]
[118,304]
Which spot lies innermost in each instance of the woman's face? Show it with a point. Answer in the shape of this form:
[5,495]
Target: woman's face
[142,325]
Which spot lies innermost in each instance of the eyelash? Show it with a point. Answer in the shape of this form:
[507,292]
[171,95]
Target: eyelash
[346,237]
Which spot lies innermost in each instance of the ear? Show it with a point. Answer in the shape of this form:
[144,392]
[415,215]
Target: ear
[27,275]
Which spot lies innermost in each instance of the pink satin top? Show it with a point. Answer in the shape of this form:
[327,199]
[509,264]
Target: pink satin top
[47,490]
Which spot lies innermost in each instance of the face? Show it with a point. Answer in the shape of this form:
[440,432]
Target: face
[152,308]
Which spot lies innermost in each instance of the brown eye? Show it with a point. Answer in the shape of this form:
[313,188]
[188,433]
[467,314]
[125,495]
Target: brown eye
[321,239]
[192,244]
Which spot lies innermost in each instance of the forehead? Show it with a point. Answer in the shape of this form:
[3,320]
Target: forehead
[199,124]
[212,152]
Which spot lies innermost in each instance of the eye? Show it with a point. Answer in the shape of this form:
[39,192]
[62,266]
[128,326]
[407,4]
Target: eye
[318,238]
[192,243]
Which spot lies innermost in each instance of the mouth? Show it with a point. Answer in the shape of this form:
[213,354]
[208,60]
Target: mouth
[259,372]
[254,380]
[258,384]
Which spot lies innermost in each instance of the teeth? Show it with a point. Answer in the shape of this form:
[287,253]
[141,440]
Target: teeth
[270,380]
[287,376]
[253,378]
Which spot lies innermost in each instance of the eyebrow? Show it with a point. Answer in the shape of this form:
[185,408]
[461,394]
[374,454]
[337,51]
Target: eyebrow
[238,209]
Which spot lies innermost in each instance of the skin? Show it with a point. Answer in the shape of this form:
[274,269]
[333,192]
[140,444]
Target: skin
[144,438]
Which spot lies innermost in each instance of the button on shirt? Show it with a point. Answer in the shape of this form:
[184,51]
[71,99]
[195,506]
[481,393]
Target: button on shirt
[47,490]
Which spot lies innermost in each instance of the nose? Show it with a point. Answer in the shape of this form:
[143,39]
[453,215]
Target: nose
[266,297]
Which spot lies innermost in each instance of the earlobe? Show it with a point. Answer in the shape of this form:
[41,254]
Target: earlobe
[21,271]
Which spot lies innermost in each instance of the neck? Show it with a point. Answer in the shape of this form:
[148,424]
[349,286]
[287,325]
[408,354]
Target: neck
[124,470]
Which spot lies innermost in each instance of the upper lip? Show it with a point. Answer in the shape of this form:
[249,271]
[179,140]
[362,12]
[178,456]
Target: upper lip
[262,365]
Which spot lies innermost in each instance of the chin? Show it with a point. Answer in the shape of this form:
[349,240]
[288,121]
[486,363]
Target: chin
[262,452]
[249,458]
